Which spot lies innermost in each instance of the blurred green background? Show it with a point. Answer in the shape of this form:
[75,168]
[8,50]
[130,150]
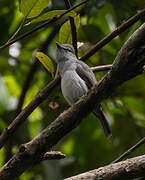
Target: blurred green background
[86,147]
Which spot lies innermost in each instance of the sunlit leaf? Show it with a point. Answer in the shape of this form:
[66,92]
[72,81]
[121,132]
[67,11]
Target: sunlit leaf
[46,61]
[51,14]
[32,8]
[65,35]
[64,32]
[77,21]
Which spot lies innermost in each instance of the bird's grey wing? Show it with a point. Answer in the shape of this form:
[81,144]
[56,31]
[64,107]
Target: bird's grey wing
[85,73]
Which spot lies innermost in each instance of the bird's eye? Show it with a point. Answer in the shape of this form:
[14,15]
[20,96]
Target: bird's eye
[69,50]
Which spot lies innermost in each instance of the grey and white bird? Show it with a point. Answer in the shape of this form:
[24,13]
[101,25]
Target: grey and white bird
[76,79]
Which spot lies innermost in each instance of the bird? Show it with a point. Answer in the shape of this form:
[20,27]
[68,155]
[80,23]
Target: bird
[76,80]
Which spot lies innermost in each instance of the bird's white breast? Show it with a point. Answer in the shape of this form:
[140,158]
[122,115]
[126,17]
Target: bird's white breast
[73,87]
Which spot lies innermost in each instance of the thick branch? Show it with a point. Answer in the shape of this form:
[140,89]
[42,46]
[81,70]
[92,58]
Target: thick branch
[128,64]
[129,169]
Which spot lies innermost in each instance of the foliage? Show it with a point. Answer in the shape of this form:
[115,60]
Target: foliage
[86,147]
[46,61]
[32,8]
[65,35]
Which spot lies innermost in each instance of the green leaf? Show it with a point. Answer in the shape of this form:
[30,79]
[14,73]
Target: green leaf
[65,35]
[46,61]
[64,32]
[77,22]
[32,8]
[51,14]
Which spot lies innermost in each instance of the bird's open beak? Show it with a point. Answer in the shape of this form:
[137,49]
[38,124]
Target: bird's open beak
[58,45]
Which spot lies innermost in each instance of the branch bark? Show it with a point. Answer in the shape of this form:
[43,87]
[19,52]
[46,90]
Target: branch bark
[128,64]
[129,169]
[53,155]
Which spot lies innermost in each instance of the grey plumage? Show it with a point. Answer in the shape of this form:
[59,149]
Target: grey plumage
[76,79]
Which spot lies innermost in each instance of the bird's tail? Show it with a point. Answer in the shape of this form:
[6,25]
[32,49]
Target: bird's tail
[100,114]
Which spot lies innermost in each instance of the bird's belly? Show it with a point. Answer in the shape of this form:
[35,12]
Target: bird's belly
[73,87]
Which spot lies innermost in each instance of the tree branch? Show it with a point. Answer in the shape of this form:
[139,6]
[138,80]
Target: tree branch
[54,19]
[104,68]
[101,68]
[129,151]
[73,28]
[53,155]
[125,25]
[128,64]
[129,169]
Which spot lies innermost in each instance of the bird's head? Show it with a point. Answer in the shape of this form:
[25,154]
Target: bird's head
[64,52]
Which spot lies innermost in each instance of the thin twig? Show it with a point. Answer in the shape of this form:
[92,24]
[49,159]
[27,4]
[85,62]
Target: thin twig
[101,68]
[125,25]
[129,151]
[19,28]
[73,28]
[104,68]
[54,19]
